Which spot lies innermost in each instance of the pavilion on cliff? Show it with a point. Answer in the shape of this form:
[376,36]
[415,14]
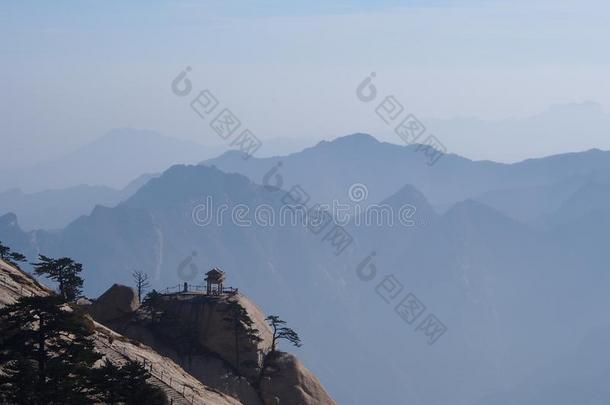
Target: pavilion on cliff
[214,280]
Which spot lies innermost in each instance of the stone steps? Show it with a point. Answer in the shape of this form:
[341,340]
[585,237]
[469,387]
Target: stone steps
[174,395]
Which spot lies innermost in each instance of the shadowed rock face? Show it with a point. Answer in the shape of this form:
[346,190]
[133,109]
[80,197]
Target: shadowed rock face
[202,334]
[118,301]
[213,322]
[286,377]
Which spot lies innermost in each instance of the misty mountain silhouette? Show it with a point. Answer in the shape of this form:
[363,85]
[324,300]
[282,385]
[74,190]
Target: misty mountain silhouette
[112,160]
[499,284]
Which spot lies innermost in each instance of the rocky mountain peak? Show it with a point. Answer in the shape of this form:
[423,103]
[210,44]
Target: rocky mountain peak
[222,340]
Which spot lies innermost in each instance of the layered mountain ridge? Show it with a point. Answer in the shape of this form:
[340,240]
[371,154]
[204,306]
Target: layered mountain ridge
[492,264]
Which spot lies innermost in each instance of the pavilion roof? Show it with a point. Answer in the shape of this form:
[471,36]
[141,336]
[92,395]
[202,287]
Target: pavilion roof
[215,272]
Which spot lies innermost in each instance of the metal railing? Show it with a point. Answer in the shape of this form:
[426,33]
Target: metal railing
[187,391]
[196,288]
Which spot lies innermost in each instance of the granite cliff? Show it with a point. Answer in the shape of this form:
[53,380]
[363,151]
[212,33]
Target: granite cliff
[222,340]
[199,349]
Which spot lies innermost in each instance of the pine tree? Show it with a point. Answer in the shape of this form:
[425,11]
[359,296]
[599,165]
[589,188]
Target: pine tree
[240,323]
[11,257]
[282,332]
[4,251]
[17,385]
[106,380]
[65,272]
[152,302]
[127,384]
[40,334]
[134,388]
[17,257]
[48,357]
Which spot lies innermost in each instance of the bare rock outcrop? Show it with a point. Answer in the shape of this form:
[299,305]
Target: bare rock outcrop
[287,381]
[117,302]
[202,333]
[15,283]
[197,351]
[205,366]
[220,340]
[217,329]
[231,327]
[179,386]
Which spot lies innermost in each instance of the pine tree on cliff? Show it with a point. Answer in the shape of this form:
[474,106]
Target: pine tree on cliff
[11,257]
[127,384]
[16,384]
[152,302]
[15,257]
[33,343]
[65,272]
[134,386]
[141,280]
[282,332]
[48,356]
[4,251]
[106,379]
[240,323]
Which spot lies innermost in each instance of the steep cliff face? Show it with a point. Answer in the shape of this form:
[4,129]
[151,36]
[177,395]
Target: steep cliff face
[179,386]
[199,349]
[214,322]
[224,342]
[286,377]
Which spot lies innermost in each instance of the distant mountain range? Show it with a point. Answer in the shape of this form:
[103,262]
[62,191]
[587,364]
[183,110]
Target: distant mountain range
[105,172]
[113,160]
[510,258]
[328,170]
[558,128]
[54,209]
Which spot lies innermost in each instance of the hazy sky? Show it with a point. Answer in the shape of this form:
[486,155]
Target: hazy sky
[73,70]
